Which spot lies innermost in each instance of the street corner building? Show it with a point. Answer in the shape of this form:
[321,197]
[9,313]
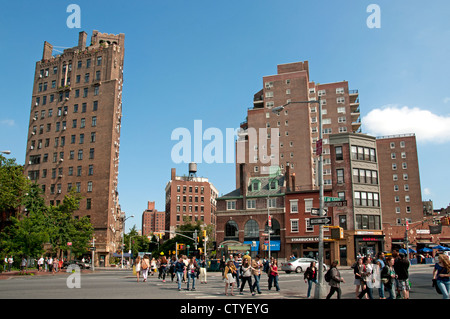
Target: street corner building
[74,131]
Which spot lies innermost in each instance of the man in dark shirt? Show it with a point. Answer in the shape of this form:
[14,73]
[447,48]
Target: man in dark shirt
[401,267]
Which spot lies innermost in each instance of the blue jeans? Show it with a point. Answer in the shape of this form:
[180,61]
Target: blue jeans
[256,283]
[444,286]
[180,278]
[310,282]
[275,282]
[189,277]
[381,290]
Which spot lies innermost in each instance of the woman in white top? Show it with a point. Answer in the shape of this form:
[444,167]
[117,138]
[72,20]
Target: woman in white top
[137,264]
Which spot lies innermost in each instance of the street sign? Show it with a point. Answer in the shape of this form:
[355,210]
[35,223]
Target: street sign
[336,203]
[316,211]
[320,221]
[332,199]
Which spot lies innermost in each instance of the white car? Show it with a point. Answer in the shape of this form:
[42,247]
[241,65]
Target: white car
[299,265]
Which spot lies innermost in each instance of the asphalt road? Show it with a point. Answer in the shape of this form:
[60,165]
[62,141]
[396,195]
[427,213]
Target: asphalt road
[121,284]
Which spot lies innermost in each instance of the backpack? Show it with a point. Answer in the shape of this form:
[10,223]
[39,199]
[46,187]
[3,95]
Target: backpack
[328,275]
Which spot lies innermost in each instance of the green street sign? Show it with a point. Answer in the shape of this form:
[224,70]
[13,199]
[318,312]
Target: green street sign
[332,199]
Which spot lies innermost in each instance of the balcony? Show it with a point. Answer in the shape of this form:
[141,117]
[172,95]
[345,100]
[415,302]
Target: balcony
[356,125]
[353,96]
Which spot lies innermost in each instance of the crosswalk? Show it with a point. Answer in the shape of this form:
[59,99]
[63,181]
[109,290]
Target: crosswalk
[215,289]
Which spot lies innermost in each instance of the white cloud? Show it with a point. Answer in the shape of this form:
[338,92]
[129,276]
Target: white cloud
[392,120]
[427,191]
[7,122]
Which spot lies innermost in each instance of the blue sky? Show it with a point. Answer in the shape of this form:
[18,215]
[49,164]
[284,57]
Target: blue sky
[204,60]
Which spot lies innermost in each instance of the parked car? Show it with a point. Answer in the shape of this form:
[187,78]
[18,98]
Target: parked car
[299,265]
[79,263]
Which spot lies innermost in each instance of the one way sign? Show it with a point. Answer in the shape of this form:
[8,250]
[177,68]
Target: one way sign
[320,221]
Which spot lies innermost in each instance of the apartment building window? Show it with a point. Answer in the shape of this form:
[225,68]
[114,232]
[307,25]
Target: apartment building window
[80,154]
[79,168]
[88,63]
[339,90]
[341,110]
[340,176]
[308,205]
[251,203]
[269,85]
[294,206]
[91,170]
[94,121]
[78,187]
[367,222]
[85,92]
[308,227]
[405,177]
[339,154]
[91,153]
[272,202]
[340,100]
[294,225]
[231,205]
[88,203]
[86,78]
[99,61]
[92,137]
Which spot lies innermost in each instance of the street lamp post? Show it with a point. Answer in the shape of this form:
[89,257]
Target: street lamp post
[319,291]
[123,234]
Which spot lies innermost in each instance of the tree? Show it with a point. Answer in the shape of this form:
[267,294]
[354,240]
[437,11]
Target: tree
[13,187]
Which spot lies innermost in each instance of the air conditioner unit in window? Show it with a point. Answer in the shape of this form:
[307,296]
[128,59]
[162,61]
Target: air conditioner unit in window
[64,128]
[65,113]
[61,160]
[31,147]
[33,133]
[59,191]
[36,104]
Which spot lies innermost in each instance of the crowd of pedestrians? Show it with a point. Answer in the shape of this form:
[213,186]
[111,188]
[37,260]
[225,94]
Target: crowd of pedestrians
[379,277]
[238,271]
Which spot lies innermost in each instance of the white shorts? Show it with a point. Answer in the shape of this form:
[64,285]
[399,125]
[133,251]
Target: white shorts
[230,279]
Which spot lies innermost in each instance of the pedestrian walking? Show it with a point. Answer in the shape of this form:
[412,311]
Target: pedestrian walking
[310,277]
[380,263]
[179,270]
[256,271]
[441,274]
[388,277]
[237,264]
[145,266]
[401,266]
[152,266]
[367,277]
[191,273]
[163,267]
[229,275]
[172,267]
[41,264]
[10,262]
[55,266]
[333,276]
[356,271]
[222,264]
[246,271]
[273,275]
[23,265]
[137,267]
[202,265]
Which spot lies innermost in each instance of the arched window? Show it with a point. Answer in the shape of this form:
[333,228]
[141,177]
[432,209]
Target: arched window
[275,228]
[231,229]
[251,229]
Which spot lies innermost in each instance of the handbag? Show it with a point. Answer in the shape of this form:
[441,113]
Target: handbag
[144,265]
[435,285]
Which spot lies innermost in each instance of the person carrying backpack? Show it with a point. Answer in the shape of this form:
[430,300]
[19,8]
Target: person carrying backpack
[334,279]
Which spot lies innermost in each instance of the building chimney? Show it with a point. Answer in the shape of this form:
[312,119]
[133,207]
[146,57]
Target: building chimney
[243,180]
[151,206]
[293,181]
[287,178]
[48,50]
[82,37]
[173,174]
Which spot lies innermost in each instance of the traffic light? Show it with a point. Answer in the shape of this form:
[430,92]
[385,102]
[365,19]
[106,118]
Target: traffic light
[204,233]
[336,232]
[180,246]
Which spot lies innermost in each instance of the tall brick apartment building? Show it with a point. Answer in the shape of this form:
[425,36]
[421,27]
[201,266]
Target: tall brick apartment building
[189,199]
[298,124]
[74,131]
[152,220]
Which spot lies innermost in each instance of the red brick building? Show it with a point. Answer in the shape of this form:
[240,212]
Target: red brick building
[189,198]
[152,220]
[74,131]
